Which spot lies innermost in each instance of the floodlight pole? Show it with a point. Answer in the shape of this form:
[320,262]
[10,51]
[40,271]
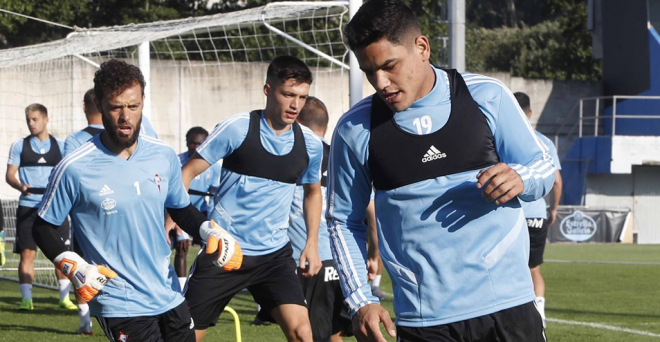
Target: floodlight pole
[355,74]
[144,63]
[457,35]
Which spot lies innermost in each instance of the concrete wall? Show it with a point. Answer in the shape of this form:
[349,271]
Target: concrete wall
[189,94]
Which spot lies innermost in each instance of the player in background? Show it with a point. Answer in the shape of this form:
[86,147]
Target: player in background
[538,217]
[33,158]
[448,156]
[116,187]
[203,186]
[72,142]
[94,124]
[266,153]
[374,262]
[324,298]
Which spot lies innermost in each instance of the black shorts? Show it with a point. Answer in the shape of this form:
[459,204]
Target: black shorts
[25,218]
[172,326]
[538,232]
[517,324]
[270,278]
[327,313]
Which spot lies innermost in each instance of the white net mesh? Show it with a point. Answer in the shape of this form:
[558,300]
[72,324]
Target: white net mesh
[202,69]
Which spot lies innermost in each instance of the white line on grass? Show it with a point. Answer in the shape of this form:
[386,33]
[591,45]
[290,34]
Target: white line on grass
[603,262]
[603,326]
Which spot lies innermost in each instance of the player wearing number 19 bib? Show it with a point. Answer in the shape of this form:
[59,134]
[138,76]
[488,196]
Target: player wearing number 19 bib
[448,154]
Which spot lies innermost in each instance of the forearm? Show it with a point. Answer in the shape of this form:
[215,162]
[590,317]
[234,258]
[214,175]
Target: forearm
[14,182]
[556,190]
[46,237]
[372,232]
[349,255]
[189,219]
[312,204]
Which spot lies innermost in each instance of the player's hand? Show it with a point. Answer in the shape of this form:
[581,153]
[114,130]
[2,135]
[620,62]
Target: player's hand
[86,278]
[310,261]
[230,255]
[25,188]
[500,183]
[169,226]
[552,216]
[366,323]
[372,267]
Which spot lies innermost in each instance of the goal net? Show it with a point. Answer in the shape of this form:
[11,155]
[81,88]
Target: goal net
[200,70]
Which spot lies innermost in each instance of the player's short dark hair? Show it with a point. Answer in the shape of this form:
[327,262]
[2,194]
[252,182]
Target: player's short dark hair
[36,107]
[115,76]
[314,114]
[523,101]
[380,19]
[88,100]
[283,68]
[196,130]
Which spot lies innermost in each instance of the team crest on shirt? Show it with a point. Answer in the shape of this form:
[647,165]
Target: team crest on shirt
[122,337]
[157,180]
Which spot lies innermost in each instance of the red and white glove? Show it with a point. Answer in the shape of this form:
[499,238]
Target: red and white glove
[230,256]
[86,278]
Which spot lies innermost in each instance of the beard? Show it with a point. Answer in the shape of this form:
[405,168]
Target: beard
[112,128]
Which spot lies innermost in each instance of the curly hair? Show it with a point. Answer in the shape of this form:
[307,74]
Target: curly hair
[380,19]
[114,77]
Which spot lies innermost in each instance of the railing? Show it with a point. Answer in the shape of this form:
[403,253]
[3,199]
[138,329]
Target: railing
[594,122]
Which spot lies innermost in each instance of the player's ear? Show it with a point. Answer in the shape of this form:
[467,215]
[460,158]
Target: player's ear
[266,89]
[423,47]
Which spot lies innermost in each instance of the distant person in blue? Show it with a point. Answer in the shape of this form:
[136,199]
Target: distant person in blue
[203,186]
[94,124]
[72,142]
[265,154]
[448,155]
[325,301]
[116,187]
[33,158]
[538,217]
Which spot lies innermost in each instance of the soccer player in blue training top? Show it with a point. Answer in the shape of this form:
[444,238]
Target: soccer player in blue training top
[72,142]
[94,124]
[448,155]
[116,187]
[325,301]
[537,215]
[266,153]
[33,158]
[202,186]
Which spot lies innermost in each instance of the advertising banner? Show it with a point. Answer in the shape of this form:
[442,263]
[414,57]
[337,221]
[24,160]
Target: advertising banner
[581,224]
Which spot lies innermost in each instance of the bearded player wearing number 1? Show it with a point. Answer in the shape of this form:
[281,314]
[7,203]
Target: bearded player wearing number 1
[116,187]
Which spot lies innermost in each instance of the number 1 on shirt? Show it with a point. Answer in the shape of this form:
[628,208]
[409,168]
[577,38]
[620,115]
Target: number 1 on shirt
[137,187]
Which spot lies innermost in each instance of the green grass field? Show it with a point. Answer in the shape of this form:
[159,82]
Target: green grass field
[620,301]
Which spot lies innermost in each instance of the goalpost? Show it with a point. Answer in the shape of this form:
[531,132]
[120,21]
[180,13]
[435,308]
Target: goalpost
[199,71]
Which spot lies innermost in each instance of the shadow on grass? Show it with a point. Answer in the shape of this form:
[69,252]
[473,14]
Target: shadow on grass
[601,313]
[15,328]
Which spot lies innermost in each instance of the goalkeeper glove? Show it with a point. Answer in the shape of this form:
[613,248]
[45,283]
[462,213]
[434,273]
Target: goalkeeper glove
[86,278]
[230,255]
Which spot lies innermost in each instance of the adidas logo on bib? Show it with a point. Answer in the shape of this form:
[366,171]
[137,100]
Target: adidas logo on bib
[41,160]
[433,154]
